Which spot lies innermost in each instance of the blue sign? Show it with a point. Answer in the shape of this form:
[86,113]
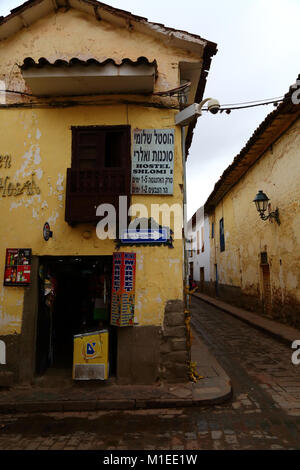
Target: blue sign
[157,235]
[90,349]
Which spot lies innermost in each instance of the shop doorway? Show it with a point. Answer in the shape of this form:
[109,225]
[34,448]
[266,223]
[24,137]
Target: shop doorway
[202,279]
[191,270]
[74,298]
[216,280]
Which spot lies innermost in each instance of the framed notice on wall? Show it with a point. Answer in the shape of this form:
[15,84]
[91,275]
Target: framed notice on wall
[17,267]
[152,161]
[123,289]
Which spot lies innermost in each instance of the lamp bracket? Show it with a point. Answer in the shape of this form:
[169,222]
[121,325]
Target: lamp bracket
[271,215]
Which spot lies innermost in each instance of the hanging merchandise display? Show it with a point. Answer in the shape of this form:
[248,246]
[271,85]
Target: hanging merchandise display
[101,296]
[50,289]
[123,289]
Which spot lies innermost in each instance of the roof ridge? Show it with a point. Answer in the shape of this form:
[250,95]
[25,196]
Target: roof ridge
[117,11]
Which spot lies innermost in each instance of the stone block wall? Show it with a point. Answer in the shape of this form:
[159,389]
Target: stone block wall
[173,346]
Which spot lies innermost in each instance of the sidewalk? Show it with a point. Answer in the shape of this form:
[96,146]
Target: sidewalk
[65,395]
[284,333]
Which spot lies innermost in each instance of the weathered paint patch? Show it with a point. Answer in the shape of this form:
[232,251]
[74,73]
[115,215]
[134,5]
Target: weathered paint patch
[292,280]
[39,173]
[10,324]
[37,157]
[2,352]
[59,183]
[27,157]
[53,218]
[15,205]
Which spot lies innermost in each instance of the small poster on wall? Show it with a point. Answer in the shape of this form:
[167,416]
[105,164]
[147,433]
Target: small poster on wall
[17,267]
[123,289]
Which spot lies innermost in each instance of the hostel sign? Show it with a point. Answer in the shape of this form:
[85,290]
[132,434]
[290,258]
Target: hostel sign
[123,289]
[152,161]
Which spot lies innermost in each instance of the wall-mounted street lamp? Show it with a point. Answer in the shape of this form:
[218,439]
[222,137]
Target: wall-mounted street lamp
[262,204]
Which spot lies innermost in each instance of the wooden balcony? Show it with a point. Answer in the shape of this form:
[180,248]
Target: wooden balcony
[87,189]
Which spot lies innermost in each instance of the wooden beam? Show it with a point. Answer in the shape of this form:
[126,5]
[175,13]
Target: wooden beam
[26,25]
[97,14]
[55,5]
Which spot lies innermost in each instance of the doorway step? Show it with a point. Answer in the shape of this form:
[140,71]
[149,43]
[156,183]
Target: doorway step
[55,378]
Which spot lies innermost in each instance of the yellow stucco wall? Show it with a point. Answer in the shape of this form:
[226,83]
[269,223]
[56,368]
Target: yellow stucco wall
[43,146]
[65,35]
[39,140]
[277,173]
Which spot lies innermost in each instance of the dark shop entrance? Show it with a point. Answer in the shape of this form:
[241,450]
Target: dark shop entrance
[74,298]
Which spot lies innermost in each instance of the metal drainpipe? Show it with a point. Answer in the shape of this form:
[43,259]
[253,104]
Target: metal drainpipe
[186,264]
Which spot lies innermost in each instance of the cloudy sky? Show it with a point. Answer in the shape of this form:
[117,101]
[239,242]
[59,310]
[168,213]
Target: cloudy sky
[258,57]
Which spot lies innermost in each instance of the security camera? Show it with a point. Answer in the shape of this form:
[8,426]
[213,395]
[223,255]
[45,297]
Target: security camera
[192,112]
[213,106]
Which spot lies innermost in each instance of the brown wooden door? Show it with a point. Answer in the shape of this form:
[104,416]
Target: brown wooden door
[202,279]
[267,301]
[217,280]
[192,270]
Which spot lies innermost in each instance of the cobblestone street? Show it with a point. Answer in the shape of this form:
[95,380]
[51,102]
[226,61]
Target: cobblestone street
[254,361]
[264,412]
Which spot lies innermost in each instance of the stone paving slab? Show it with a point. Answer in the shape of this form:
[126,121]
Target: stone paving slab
[213,388]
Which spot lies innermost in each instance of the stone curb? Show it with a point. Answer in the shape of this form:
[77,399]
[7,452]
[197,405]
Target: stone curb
[260,323]
[96,405]
[216,391]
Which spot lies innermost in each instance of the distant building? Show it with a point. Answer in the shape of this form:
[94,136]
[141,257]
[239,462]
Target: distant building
[199,248]
[254,263]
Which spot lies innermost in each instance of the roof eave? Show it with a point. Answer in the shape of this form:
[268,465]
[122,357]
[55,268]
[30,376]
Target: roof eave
[268,132]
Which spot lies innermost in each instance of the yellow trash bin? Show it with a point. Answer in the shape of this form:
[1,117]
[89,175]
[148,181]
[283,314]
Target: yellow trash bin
[90,358]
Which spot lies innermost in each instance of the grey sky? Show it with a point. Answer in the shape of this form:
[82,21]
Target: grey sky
[258,57]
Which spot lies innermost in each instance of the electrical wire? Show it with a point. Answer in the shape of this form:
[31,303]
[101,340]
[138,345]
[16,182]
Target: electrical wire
[255,101]
[17,93]
[223,108]
[228,109]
